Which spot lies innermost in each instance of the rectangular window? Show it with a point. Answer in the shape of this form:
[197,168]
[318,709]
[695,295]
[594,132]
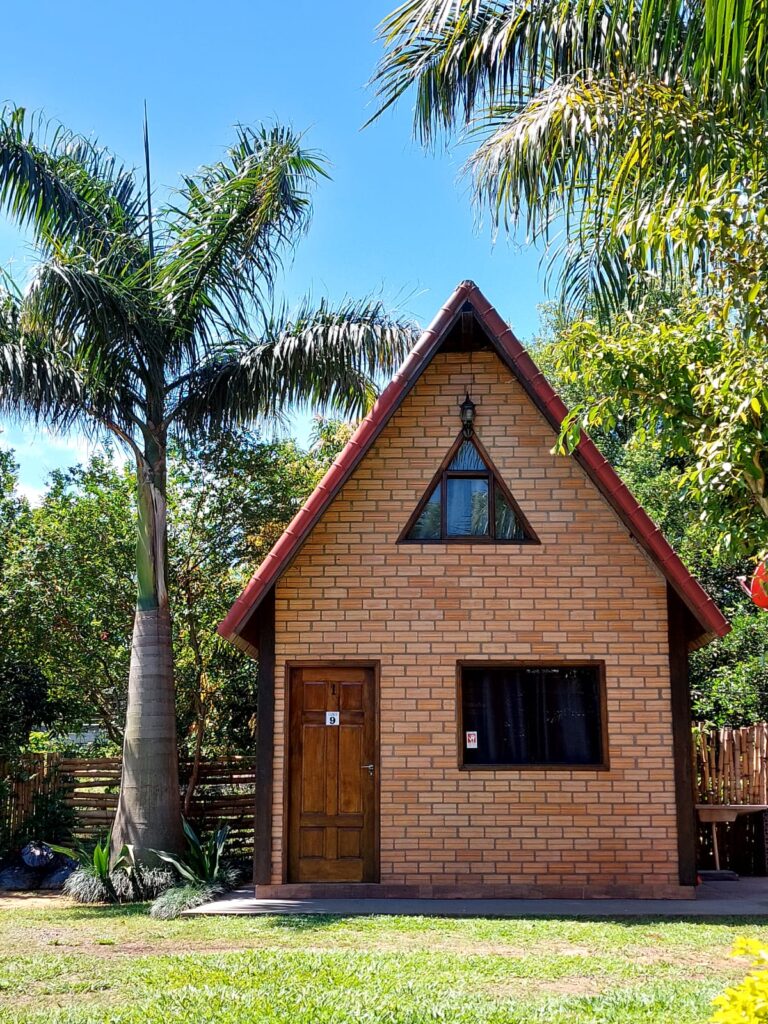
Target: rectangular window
[466,512]
[532,715]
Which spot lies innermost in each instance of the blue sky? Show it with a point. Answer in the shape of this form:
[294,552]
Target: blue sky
[393,220]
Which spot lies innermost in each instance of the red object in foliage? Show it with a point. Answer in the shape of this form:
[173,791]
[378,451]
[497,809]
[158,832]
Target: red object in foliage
[759,586]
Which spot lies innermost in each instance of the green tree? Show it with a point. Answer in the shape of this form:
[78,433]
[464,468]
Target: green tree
[636,426]
[166,326]
[67,583]
[729,677]
[24,700]
[70,587]
[696,388]
[637,127]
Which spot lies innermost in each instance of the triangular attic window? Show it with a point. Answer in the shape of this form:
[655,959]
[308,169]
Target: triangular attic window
[467,501]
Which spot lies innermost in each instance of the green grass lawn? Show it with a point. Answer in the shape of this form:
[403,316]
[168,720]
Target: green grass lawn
[74,964]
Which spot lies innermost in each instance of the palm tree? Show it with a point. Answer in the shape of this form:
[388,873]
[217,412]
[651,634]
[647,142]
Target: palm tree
[636,129]
[154,328]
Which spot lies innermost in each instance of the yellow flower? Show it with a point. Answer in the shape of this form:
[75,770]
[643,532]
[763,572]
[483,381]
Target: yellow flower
[746,1003]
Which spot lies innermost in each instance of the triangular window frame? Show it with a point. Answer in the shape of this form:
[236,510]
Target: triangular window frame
[495,480]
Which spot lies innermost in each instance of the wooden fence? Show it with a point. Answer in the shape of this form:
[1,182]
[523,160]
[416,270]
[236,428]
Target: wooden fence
[32,780]
[224,794]
[731,765]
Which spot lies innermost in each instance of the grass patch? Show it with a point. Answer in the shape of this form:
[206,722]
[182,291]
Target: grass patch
[81,965]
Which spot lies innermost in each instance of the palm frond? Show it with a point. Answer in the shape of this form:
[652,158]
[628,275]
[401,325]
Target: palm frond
[62,185]
[464,55]
[230,230]
[324,357]
[92,302]
[615,163]
[34,384]
[44,379]
[604,118]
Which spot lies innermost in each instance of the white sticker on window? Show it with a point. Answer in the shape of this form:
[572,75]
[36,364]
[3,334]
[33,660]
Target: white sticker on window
[471,741]
[332,717]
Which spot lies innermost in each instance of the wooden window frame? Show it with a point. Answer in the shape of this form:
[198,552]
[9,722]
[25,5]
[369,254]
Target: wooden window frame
[492,475]
[547,766]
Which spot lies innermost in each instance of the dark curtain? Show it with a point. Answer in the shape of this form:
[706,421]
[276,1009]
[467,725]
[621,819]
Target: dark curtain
[570,714]
[532,715]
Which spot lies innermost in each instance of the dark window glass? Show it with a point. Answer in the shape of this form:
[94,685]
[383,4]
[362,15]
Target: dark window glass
[507,526]
[533,715]
[466,507]
[427,526]
[467,458]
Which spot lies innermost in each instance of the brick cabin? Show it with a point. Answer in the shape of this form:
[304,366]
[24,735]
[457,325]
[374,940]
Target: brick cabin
[473,653]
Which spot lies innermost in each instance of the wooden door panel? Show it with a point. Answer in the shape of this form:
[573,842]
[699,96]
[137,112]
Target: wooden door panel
[351,755]
[332,798]
[314,696]
[351,697]
[336,870]
[313,784]
[312,842]
[349,842]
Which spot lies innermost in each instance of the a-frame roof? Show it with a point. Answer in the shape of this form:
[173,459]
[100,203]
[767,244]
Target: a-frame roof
[468,299]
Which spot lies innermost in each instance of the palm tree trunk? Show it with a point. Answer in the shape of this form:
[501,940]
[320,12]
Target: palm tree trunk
[149,808]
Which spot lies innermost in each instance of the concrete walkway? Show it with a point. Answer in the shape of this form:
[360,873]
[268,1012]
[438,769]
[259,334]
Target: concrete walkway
[747,897]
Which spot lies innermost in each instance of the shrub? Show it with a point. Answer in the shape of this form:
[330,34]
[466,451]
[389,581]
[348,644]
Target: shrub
[748,1001]
[175,901]
[95,860]
[85,886]
[204,872]
[203,862]
[155,881]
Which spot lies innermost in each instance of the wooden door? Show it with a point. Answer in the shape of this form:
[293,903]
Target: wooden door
[333,769]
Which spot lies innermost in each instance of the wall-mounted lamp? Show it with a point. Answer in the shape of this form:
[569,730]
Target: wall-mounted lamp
[467,413]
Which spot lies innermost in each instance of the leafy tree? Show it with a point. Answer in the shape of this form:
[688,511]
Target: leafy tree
[70,585]
[694,387]
[159,327]
[638,127]
[729,679]
[23,704]
[69,580]
[24,698]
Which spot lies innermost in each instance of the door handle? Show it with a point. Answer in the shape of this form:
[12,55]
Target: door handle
[371,768]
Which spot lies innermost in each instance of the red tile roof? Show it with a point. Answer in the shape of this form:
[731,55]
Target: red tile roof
[640,525]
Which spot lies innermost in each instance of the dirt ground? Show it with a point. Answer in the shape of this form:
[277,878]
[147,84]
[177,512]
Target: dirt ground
[38,898]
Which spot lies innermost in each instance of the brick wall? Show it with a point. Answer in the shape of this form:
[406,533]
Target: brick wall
[586,592]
